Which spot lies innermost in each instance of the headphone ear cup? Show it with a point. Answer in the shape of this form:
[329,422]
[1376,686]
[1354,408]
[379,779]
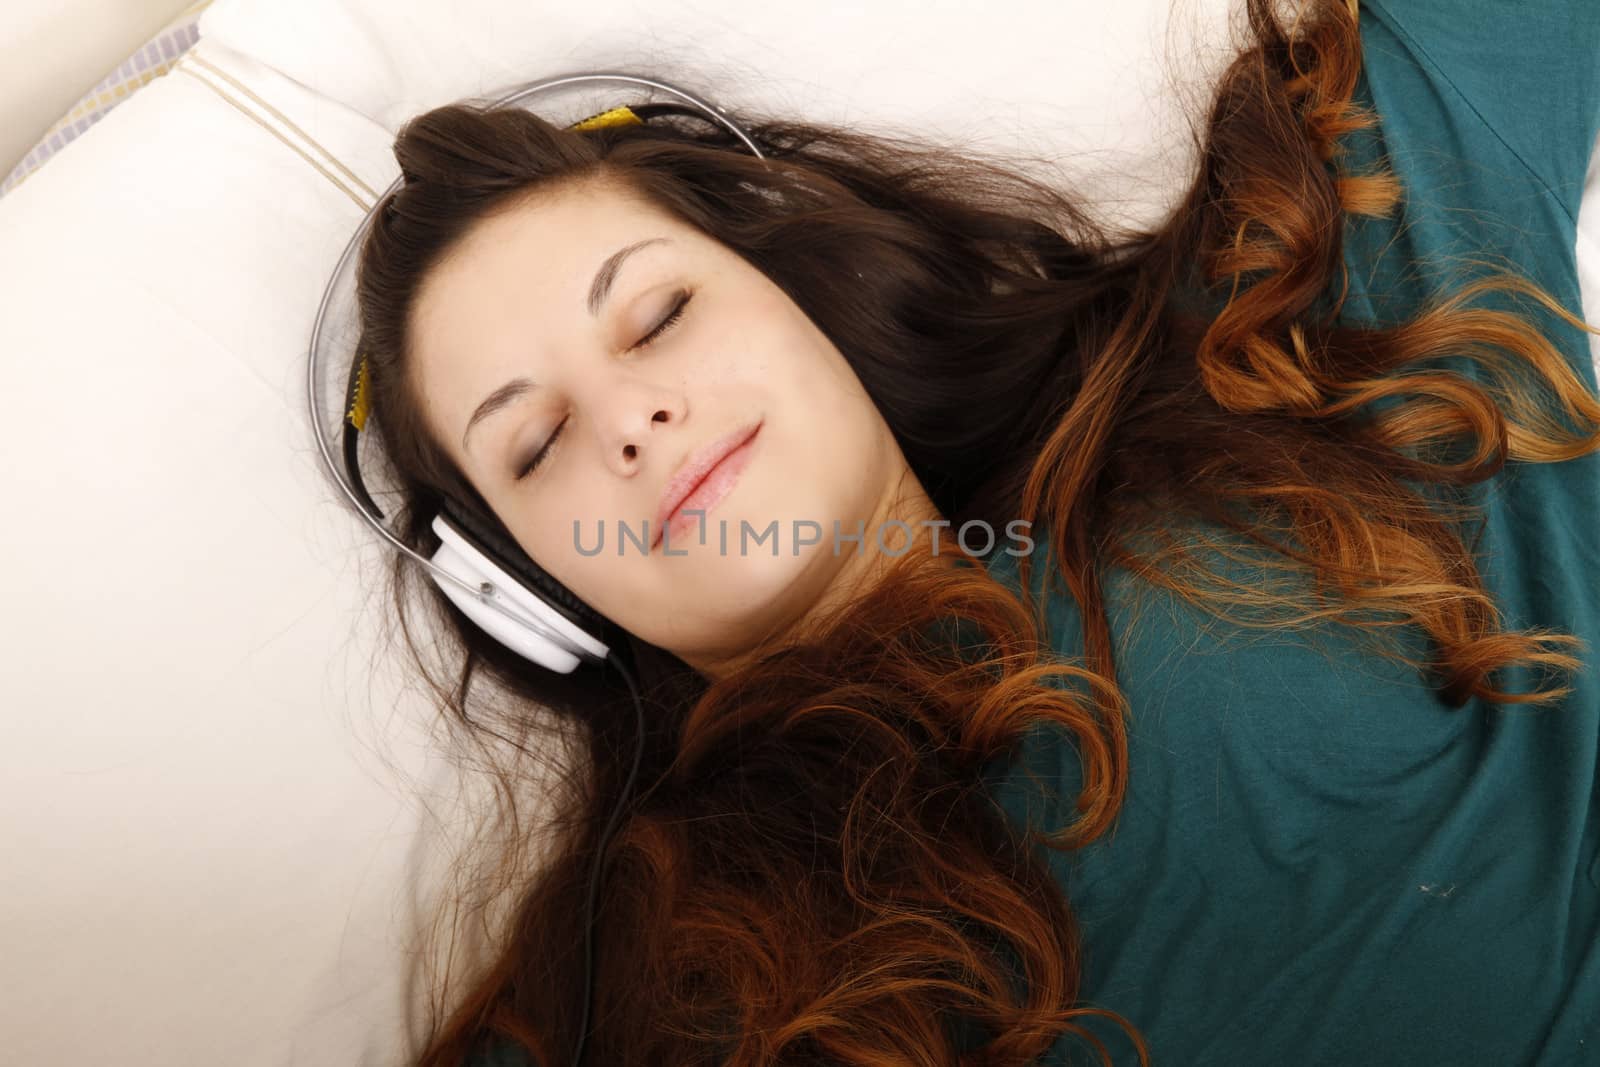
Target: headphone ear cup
[487,553]
[509,557]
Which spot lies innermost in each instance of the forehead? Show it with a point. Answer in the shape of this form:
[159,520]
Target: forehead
[543,247]
[517,283]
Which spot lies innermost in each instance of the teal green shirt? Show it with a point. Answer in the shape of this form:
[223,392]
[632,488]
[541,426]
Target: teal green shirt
[1318,861]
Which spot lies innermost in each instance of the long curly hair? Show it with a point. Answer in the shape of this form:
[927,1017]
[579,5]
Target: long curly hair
[812,870]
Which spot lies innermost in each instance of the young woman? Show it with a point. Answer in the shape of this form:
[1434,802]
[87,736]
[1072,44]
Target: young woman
[1279,745]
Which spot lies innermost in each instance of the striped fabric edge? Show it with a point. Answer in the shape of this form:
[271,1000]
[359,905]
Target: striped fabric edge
[150,61]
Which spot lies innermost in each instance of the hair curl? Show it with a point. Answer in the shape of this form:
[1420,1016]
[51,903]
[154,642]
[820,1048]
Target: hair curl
[812,871]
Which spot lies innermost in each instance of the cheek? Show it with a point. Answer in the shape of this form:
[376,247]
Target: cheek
[561,522]
[590,500]
[830,405]
[601,579]
[824,469]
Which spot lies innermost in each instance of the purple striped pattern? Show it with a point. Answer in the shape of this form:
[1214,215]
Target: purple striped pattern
[153,59]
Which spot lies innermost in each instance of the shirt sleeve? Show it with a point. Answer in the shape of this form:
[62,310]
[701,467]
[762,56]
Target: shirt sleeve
[1529,69]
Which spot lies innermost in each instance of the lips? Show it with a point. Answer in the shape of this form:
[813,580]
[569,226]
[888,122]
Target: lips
[694,470]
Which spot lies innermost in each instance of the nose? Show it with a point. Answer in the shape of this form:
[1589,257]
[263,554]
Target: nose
[635,411]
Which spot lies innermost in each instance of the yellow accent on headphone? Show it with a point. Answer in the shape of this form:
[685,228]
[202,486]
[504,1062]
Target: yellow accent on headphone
[617,116]
[358,407]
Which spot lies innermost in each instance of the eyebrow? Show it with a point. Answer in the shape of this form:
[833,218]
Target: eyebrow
[599,289]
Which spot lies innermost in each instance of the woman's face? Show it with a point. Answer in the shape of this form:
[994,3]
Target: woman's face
[546,332]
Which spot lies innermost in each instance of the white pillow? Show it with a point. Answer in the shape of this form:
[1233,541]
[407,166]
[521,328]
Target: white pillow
[1075,80]
[208,856]
[202,840]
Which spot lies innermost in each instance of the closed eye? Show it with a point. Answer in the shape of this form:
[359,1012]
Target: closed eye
[666,324]
[538,457]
